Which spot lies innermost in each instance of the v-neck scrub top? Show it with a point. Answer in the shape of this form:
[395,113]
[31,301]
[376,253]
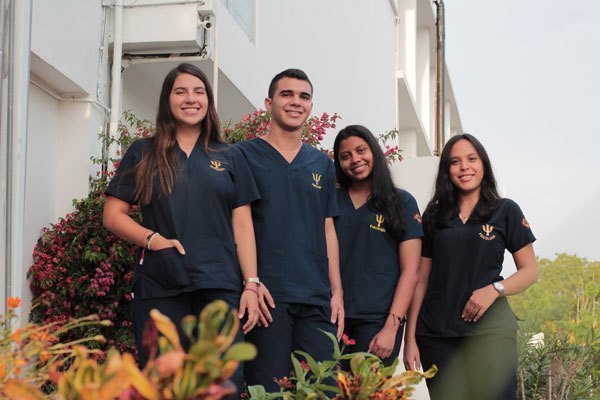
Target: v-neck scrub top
[197,213]
[369,259]
[467,257]
[289,221]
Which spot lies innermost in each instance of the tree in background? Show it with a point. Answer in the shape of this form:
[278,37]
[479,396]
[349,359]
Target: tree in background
[562,364]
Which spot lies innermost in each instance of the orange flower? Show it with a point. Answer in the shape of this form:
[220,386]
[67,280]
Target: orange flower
[16,335]
[43,336]
[19,363]
[13,302]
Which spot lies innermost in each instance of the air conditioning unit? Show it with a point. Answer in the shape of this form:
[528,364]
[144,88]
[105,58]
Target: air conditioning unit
[166,28]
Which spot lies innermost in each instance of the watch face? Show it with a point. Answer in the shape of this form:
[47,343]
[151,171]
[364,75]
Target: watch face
[499,287]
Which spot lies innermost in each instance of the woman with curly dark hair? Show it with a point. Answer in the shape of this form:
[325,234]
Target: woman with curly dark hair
[465,325]
[379,233]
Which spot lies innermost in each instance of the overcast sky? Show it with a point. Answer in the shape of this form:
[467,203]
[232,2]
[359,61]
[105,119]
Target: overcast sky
[526,77]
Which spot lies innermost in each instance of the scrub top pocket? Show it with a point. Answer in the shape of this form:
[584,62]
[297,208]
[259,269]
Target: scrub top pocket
[166,267]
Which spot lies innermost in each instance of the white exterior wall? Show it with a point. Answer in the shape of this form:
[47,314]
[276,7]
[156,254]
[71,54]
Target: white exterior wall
[346,48]
[67,35]
[62,129]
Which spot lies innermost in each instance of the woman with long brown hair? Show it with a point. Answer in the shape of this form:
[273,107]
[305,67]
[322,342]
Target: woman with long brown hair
[196,235]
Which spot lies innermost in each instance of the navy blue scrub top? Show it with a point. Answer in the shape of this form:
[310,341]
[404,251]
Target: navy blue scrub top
[197,213]
[467,257]
[289,221]
[369,259]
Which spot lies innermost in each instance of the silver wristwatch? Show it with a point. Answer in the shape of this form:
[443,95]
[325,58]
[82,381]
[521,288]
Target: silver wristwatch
[499,288]
[252,280]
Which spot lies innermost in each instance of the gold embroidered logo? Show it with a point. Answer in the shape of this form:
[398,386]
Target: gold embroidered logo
[525,223]
[316,178]
[216,165]
[487,229]
[379,219]
[417,217]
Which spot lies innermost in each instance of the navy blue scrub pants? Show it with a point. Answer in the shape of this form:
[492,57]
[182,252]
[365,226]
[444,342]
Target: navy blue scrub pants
[295,327]
[177,307]
[478,367]
[363,331]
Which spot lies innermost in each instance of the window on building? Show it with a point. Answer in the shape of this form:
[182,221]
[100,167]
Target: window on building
[243,12]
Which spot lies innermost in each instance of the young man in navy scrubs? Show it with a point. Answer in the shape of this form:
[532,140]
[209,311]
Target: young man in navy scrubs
[295,236]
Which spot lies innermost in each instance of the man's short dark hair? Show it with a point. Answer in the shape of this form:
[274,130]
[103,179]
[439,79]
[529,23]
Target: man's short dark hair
[288,73]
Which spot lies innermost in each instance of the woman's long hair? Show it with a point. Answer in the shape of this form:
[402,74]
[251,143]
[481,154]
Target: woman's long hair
[384,196]
[161,163]
[444,203]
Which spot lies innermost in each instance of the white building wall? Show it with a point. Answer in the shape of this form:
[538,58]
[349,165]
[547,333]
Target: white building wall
[346,47]
[67,34]
[40,174]
[63,128]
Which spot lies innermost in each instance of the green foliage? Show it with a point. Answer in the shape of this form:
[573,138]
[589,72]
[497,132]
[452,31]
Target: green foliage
[564,299]
[561,306]
[367,379]
[559,368]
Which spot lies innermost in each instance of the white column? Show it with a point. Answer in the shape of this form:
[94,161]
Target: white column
[17,97]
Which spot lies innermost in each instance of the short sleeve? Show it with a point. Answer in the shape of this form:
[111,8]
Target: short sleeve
[244,184]
[518,231]
[122,185]
[332,204]
[413,227]
[427,245]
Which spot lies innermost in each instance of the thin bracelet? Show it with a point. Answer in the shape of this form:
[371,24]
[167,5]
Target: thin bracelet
[401,321]
[251,290]
[149,239]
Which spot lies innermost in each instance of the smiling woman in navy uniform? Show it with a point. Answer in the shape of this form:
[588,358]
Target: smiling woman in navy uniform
[379,233]
[195,193]
[465,325]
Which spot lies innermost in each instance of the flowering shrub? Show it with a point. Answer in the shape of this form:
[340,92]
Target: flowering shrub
[313,131]
[79,268]
[257,124]
[367,379]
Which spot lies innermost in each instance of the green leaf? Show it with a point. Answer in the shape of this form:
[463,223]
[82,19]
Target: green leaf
[240,352]
[257,392]
[356,362]
[298,371]
[336,346]
[314,367]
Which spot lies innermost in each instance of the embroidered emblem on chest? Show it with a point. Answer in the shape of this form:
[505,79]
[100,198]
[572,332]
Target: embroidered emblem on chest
[317,179]
[379,219]
[216,165]
[487,229]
